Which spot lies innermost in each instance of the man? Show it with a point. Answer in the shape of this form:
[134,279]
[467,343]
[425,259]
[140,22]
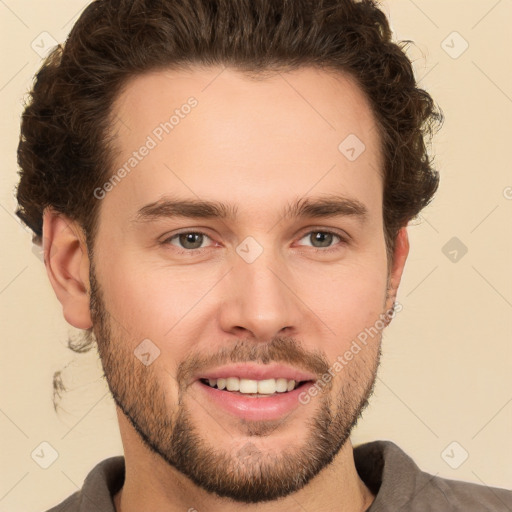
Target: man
[222,190]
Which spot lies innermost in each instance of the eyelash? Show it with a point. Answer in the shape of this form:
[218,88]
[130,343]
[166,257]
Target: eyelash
[343,241]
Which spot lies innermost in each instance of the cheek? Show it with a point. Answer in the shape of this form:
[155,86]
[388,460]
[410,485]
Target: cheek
[145,302]
[348,301]
[151,300]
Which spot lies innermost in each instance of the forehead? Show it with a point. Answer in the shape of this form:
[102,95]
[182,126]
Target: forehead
[213,132]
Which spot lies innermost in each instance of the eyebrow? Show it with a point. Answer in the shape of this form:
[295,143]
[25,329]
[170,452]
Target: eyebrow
[311,207]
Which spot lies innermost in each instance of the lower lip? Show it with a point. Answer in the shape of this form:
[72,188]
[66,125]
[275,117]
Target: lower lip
[254,408]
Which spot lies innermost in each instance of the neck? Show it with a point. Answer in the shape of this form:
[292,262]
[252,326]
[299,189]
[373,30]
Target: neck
[151,484]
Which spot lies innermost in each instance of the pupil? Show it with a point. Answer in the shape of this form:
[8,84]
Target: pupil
[326,238]
[189,238]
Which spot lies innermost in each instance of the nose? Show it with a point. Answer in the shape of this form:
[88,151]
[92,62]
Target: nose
[258,298]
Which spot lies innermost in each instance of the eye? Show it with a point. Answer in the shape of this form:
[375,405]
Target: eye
[322,240]
[190,240]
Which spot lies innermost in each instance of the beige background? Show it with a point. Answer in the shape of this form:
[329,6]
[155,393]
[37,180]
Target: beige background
[447,357]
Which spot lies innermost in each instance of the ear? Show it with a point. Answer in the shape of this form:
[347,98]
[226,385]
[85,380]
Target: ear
[67,265]
[400,254]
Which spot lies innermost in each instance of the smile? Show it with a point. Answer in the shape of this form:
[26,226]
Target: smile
[253,387]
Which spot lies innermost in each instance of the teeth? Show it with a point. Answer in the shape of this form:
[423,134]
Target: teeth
[281,385]
[249,386]
[267,387]
[233,384]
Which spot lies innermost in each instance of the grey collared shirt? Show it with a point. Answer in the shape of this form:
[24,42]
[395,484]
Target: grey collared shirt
[392,476]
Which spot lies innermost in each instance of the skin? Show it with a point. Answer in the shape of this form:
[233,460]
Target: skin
[258,145]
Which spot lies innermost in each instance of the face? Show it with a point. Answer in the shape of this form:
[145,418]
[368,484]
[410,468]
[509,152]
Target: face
[273,277]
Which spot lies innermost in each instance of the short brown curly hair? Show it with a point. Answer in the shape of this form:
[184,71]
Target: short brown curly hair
[65,153]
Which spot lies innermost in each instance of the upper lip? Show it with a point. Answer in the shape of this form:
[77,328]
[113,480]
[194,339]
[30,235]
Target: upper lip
[257,372]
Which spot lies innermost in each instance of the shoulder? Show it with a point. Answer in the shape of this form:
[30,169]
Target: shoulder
[102,482]
[464,496]
[399,484]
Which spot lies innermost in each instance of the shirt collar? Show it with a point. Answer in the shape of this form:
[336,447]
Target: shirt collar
[386,470]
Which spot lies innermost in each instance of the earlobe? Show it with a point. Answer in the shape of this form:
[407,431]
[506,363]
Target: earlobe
[400,254]
[67,266]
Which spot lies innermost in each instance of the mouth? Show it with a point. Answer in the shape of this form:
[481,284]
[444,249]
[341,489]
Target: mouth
[255,388]
[252,400]
[253,392]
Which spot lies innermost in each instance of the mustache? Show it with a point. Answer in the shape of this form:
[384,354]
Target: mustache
[278,350]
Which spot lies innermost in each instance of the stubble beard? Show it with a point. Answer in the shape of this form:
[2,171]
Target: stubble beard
[246,473]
